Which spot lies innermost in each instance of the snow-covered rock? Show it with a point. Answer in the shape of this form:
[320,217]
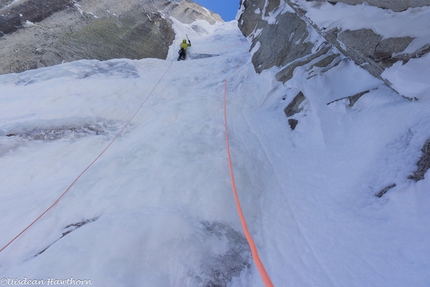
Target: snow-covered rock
[376,35]
[391,41]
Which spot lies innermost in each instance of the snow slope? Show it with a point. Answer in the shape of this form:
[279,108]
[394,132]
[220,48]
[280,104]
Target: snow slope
[156,208]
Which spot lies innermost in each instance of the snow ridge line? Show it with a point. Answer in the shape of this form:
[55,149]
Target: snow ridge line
[91,164]
[263,273]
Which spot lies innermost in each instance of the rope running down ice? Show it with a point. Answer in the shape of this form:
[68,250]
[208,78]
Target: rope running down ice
[89,166]
[263,273]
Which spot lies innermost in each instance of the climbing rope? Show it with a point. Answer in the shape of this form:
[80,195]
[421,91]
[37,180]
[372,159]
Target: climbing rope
[265,277]
[91,164]
[263,273]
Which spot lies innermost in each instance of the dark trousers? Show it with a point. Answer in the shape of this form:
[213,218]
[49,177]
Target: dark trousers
[182,54]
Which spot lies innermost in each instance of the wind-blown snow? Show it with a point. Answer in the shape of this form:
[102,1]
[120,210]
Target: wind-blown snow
[157,209]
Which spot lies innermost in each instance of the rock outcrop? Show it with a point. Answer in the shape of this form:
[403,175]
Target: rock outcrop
[393,5]
[37,33]
[265,22]
[423,164]
[310,37]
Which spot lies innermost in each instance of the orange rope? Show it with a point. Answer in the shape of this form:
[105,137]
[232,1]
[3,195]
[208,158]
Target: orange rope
[88,167]
[265,277]
[254,252]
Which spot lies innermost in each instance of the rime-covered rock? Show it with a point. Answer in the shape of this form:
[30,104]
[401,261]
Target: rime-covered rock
[287,34]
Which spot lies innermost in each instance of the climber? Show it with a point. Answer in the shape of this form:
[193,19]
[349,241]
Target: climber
[183,51]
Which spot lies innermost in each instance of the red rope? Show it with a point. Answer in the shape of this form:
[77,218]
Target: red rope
[263,273]
[88,167]
[265,277]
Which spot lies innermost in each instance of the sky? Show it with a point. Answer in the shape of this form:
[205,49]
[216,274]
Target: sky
[227,9]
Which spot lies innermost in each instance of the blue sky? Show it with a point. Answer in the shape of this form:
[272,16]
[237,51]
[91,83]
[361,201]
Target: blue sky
[226,8]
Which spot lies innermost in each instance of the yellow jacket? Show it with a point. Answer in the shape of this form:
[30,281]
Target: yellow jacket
[185,45]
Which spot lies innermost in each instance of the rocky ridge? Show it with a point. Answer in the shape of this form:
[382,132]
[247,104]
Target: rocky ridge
[295,24]
[312,36]
[37,34]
